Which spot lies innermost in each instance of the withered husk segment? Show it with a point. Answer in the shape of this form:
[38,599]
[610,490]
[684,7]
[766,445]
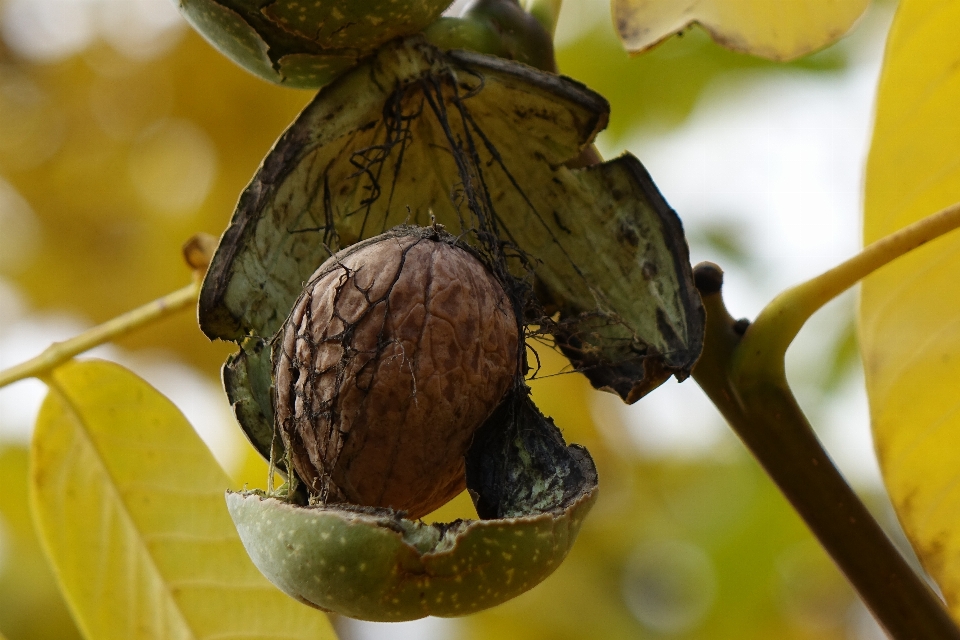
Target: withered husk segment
[248,380]
[518,462]
[479,144]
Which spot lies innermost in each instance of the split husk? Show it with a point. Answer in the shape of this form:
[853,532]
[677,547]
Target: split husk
[373,564]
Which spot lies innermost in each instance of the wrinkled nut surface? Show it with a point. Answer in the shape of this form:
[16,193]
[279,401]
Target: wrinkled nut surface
[395,353]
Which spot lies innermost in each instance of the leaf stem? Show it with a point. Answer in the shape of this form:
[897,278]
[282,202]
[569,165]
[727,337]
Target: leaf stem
[59,352]
[547,12]
[778,324]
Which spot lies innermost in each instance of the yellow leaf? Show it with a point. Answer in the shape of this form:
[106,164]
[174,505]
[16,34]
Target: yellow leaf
[31,604]
[130,506]
[910,310]
[775,29]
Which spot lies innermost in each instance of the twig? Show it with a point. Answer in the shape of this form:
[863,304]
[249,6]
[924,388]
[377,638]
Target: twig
[742,371]
[59,352]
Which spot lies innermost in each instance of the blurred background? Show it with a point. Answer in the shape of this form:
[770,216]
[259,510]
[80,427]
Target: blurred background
[122,133]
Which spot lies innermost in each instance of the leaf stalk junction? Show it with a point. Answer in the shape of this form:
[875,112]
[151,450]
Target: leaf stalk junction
[742,371]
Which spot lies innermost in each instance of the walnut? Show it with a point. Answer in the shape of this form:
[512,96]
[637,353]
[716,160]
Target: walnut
[397,350]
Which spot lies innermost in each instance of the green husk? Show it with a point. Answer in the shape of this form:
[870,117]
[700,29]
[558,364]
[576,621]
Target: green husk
[305,44]
[373,564]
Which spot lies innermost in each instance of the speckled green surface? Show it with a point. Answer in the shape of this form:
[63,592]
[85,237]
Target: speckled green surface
[387,569]
[305,44]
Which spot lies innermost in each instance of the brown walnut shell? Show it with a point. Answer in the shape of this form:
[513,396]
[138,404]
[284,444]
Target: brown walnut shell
[397,350]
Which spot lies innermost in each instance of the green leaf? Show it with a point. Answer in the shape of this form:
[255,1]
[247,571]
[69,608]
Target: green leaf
[775,30]
[129,505]
[910,309]
[479,144]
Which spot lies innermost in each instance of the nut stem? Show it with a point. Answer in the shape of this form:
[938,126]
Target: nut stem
[547,12]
